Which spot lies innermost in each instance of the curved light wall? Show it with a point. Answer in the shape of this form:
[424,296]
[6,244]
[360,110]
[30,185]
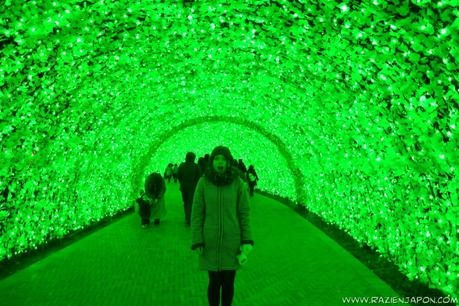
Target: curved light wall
[359,98]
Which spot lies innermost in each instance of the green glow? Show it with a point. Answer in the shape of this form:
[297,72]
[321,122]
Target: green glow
[248,145]
[363,98]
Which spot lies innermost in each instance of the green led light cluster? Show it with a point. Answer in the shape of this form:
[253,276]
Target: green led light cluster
[359,100]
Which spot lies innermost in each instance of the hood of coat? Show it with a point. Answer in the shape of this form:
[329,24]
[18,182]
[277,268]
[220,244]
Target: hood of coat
[226,177]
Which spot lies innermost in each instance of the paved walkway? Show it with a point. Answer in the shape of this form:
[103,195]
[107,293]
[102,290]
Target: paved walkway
[292,263]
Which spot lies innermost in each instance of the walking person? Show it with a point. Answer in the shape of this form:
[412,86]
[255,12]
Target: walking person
[220,225]
[205,162]
[188,174]
[151,201]
[174,172]
[168,172]
[201,164]
[252,179]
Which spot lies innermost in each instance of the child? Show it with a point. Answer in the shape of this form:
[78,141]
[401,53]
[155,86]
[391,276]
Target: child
[151,202]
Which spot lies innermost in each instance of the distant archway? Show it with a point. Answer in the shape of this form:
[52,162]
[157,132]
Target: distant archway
[144,160]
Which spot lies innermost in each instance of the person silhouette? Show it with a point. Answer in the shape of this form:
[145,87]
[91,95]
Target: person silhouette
[188,174]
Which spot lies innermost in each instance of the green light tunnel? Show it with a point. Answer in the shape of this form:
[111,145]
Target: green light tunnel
[349,109]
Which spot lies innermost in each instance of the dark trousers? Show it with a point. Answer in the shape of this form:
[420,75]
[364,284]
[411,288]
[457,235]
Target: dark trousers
[225,281]
[187,197]
[144,212]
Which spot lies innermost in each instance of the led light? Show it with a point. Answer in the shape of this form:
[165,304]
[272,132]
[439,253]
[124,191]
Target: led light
[344,7]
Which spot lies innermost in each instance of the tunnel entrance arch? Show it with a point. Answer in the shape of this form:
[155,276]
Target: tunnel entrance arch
[144,160]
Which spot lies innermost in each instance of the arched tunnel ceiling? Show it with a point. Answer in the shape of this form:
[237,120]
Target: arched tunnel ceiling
[362,97]
[253,144]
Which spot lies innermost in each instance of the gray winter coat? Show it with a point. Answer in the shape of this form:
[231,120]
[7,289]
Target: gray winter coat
[220,222]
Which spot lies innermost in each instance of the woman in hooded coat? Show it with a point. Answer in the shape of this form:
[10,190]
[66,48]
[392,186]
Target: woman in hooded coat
[220,225]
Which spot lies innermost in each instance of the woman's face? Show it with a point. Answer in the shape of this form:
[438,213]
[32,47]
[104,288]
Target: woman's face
[219,163]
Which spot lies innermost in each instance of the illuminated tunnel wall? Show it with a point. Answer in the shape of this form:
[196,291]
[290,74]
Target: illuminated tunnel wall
[349,109]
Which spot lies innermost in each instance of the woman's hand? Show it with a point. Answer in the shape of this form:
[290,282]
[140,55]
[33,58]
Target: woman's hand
[242,256]
[246,249]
